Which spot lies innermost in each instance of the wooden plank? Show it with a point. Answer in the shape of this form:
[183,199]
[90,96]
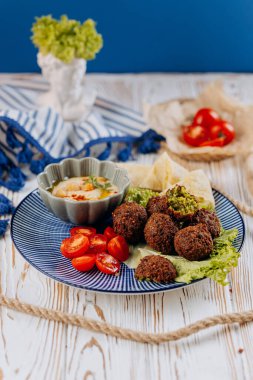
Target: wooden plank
[38,349]
[165,312]
[29,347]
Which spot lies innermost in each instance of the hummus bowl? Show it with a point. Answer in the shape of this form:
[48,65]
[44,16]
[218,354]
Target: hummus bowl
[84,211]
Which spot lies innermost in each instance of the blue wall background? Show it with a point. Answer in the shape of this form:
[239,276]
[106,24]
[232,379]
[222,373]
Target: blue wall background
[141,35]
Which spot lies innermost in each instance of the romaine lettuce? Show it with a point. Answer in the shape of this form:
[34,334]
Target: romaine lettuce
[223,258]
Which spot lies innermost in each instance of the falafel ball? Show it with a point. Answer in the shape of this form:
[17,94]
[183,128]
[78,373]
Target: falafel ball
[156,268]
[129,220]
[181,204]
[210,219]
[157,204]
[178,217]
[159,232]
[194,242]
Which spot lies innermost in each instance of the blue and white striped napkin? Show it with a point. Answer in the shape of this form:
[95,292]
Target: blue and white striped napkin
[34,137]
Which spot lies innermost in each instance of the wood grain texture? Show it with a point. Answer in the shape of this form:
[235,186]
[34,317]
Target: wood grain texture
[37,349]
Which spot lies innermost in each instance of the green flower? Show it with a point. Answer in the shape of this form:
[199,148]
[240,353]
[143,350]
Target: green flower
[66,39]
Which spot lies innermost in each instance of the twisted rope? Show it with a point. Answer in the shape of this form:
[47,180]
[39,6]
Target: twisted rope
[214,155]
[127,334]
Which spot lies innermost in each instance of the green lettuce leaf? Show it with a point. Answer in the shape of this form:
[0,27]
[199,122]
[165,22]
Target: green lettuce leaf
[140,196]
[178,196]
[223,258]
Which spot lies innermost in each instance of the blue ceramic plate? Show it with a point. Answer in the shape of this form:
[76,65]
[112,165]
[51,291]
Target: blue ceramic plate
[37,234]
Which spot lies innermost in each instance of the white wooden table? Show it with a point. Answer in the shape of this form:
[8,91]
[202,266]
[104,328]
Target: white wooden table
[32,348]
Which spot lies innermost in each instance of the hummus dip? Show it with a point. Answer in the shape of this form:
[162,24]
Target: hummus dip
[88,188]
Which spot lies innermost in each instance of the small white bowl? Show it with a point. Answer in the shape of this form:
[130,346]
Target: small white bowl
[80,212]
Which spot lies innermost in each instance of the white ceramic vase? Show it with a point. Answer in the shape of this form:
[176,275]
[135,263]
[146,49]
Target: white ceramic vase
[66,95]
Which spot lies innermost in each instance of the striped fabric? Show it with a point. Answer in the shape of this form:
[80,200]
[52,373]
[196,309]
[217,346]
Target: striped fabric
[107,121]
[38,136]
[34,137]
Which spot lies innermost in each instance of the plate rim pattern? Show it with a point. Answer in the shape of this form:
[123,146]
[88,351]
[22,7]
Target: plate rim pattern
[166,288]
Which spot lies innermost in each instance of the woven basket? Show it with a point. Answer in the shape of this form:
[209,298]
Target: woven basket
[213,154]
[167,117]
[206,154]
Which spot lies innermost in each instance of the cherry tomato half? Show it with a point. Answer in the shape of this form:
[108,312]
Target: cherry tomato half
[215,142]
[118,248]
[74,246]
[195,134]
[205,117]
[98,243]
[107,263]
[84,263]
[109,233]
[224,130]
[86,231]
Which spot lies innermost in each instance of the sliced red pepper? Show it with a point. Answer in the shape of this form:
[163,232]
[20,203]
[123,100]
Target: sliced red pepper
[215,142]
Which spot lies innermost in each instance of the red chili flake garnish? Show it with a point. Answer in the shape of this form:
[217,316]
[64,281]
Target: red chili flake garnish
[78,197]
